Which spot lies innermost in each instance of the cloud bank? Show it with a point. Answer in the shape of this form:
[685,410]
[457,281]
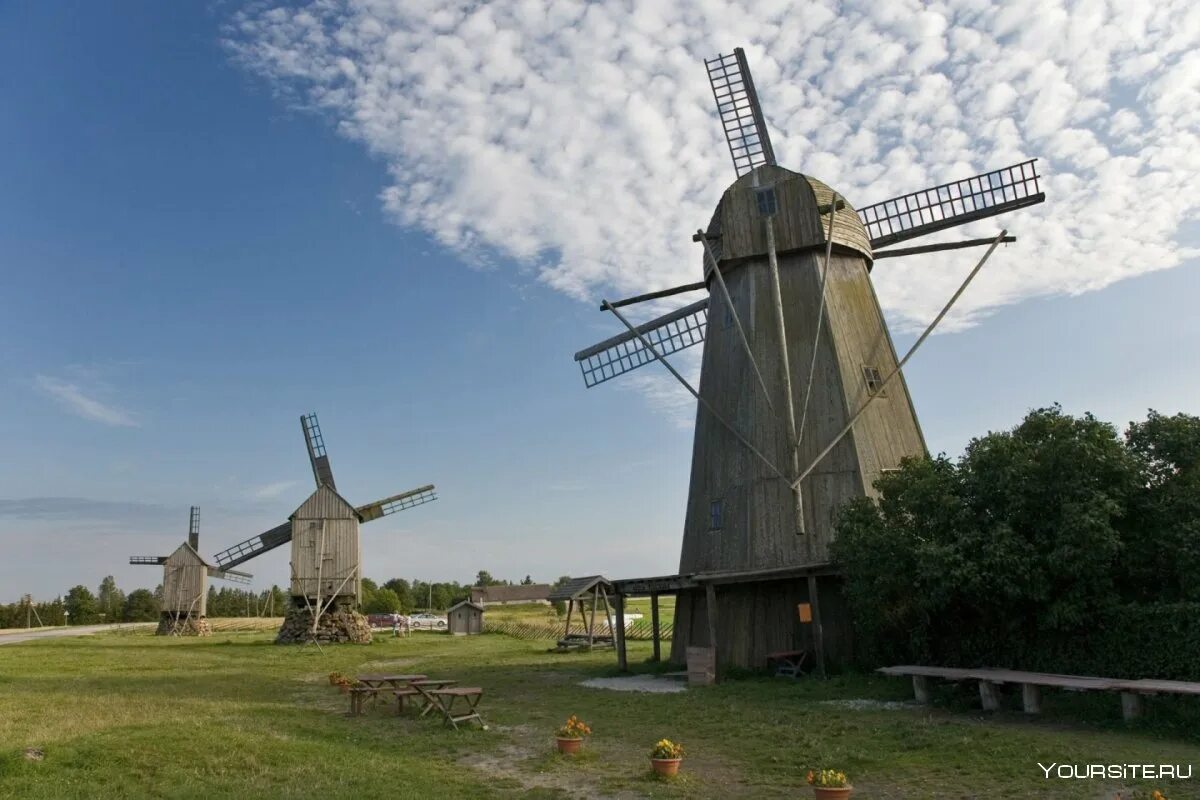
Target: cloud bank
[73,398]
[580,140]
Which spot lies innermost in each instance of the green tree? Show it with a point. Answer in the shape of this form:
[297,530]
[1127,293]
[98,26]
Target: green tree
[986,559]
[383,601]
[140,606]
[484,578]
[81,605]
[528,581]
[404,594]
[110,600]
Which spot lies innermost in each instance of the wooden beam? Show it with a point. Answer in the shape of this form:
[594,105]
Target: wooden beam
[989,698]
[570,608]
[628,301]
[710,606]
[592,621]
[619,633]
[921,689]
[1031,698]
[817,633]
[654,626]
[937,248]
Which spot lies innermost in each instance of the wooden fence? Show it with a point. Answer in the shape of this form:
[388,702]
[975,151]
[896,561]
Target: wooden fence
[227,624]
[635,630]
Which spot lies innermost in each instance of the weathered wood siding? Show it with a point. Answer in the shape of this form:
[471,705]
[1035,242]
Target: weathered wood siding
[758,527]
[325,547]
[742,609]
[465,620]
[185,583]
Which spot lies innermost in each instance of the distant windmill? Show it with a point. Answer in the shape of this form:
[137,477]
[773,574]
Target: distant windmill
[801,401]
[326,551]
[185,584]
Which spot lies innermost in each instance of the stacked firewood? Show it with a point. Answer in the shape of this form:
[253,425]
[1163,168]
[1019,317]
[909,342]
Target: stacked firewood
[338,624]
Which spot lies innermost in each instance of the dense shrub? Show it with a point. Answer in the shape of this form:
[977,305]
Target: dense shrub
[1029,550]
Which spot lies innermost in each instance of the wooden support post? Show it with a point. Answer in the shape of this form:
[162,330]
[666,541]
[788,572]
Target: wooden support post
[921,689]
[710,605]
[1031,698]
[592,621]
[619,634]
[988,696]
[570,608]
[1132,705]
[654,626]
[817,634]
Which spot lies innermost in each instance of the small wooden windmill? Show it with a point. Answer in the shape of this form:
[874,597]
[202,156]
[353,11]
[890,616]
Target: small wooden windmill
[802,404]
[185,584]
[326,551]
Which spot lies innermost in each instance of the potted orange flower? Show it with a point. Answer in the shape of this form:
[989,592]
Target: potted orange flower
[829,784]
[344,684]
[570,736]
[666,756]
[334,677]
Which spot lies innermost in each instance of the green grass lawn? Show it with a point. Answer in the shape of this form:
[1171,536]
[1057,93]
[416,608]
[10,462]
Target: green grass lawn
[236,716]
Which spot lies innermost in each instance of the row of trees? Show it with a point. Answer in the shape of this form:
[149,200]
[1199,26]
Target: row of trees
[81,606]
[1032,545]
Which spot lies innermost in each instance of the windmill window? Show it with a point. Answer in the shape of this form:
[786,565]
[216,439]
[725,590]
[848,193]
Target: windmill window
[716,513]
[874,382]
[765,197]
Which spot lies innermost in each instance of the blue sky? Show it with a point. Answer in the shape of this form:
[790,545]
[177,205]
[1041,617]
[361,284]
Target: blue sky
[198,245]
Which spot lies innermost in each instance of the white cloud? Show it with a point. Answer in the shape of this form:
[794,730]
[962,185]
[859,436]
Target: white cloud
[74,400]
[580,139]
[271,491]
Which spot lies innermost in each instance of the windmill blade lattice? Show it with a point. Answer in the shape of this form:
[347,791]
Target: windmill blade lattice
[397,502]
[951,204]
[670,333]
[741,115]
[144,560]
[322,471]
[254,546]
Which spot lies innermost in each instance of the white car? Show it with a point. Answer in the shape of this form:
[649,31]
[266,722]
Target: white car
[427,621]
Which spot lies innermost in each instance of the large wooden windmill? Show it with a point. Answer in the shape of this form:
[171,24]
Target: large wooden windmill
[185,584]
[326,562]
[801,401]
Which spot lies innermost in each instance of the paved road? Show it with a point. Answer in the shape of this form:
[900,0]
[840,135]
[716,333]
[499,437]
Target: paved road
[77,630]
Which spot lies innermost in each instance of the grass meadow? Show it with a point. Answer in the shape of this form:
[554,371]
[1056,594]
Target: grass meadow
[234,716]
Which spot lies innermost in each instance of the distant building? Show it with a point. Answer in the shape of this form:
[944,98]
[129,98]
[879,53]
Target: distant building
[464,619]
[510,595]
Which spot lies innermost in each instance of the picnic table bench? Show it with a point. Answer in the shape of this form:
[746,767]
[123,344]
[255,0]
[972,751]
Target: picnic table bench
[1132,692]
[788,663]
[470,696]
[422,689]
[372,685]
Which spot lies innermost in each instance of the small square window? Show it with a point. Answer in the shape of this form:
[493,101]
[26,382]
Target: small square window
[765,197]
[874,382]
[716,512]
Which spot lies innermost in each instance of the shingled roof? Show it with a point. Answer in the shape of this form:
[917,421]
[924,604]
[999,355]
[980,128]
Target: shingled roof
[576,587]
[510,594]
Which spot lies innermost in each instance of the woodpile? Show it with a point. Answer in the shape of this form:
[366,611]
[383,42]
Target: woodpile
[339,624]
[182,625]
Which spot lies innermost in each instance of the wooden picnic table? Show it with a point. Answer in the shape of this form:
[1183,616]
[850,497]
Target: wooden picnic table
[423,689]
[788,663]
[373,685]
[470,696]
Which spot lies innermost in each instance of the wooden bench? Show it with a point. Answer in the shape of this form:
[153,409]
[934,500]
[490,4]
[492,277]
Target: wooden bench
[470,695]
[372,685]
[1132,691]
[425,689]
[788,663]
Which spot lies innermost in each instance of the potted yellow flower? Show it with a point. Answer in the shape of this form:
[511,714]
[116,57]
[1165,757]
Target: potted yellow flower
[829,784]
[570,736]
[666,756]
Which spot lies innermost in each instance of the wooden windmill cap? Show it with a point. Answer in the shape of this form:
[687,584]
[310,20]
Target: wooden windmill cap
[799,206]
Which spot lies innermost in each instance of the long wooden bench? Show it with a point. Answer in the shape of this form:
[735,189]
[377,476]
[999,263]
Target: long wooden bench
[1132,692]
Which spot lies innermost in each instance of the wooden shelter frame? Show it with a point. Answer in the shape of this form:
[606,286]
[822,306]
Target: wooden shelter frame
[578,591]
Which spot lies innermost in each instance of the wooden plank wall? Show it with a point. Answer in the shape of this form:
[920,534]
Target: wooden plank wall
[340,556]
[185,583]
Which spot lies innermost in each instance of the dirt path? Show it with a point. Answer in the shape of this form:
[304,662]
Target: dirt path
[76,630]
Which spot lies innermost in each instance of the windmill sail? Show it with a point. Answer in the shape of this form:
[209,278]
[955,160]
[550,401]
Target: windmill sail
[322,472]
[194,528]
[229,575]
[670,333]
[397,502]
[154,560]
[951,204]
[254,546]
[741,115]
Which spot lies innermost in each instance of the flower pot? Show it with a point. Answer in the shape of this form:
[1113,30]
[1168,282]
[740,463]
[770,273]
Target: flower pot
[666,766]
[832,792]
[568,745]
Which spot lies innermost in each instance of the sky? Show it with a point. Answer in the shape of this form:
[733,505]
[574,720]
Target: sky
[215,217]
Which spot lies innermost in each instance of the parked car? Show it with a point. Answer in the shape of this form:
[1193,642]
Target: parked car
[384,620]
[427,621]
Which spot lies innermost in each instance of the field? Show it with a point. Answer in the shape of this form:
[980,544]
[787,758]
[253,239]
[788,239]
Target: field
[234,716]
